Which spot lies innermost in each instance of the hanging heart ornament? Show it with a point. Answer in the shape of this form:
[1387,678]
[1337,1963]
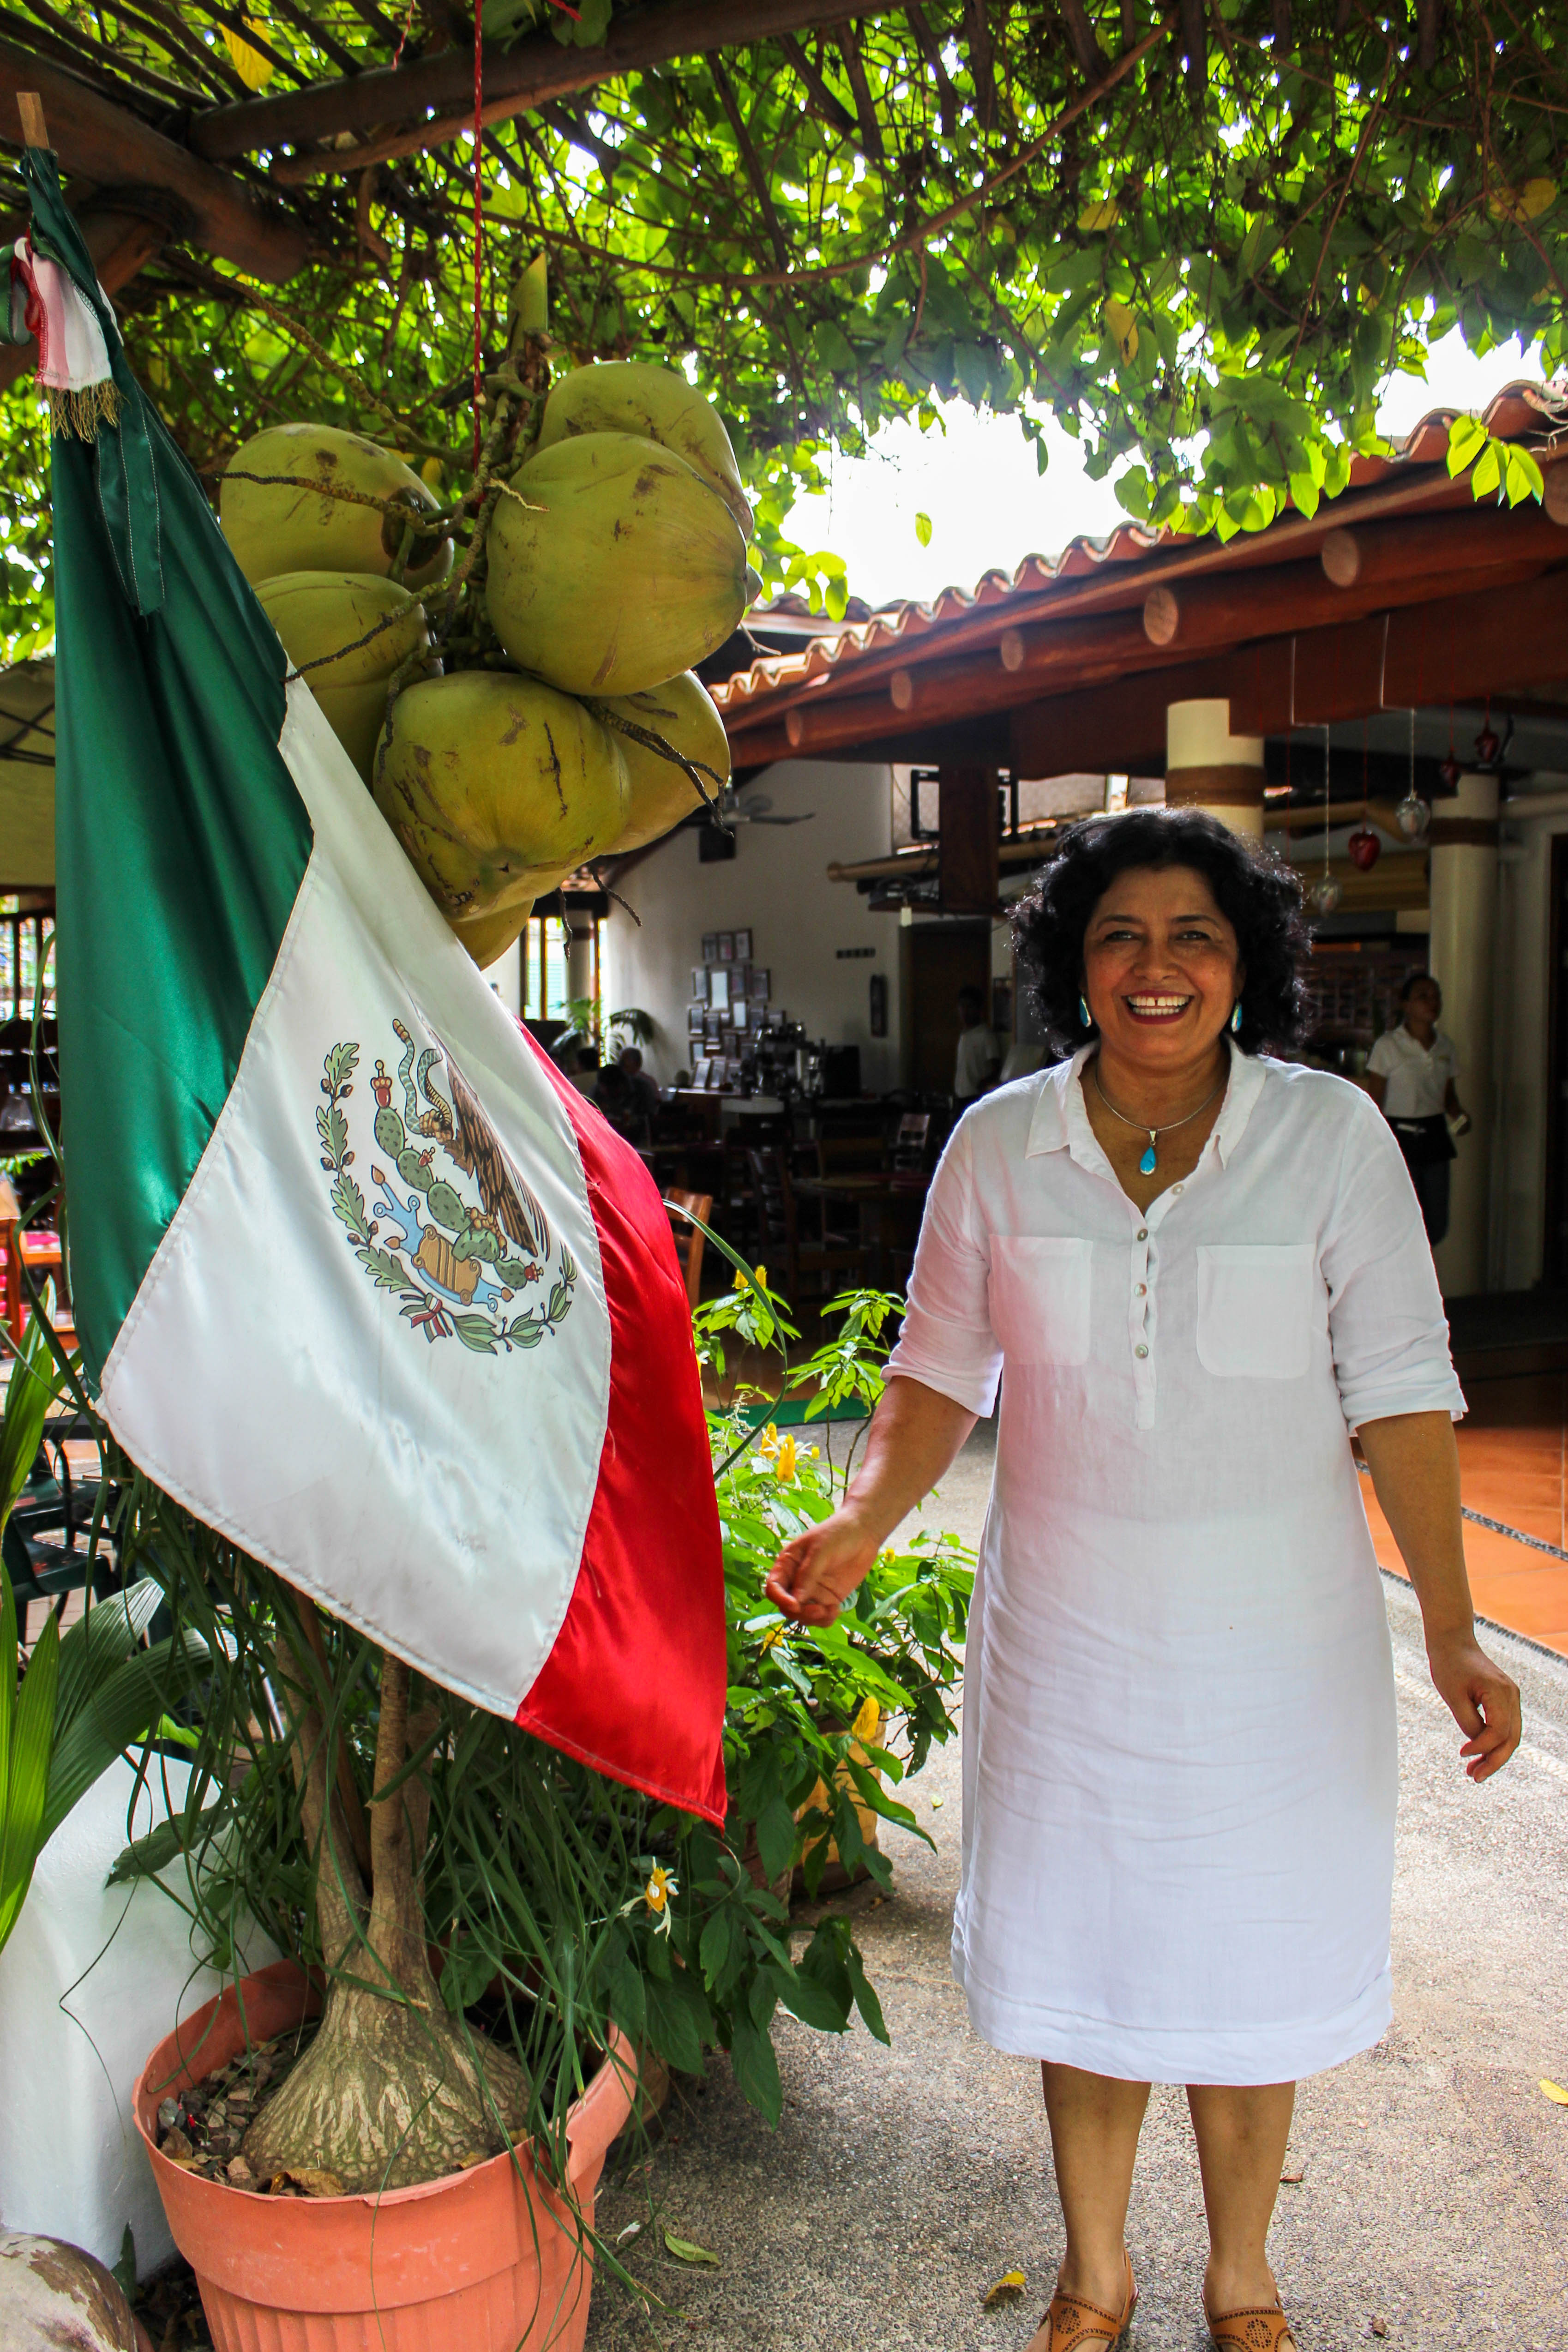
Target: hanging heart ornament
[1364,847]
[1325,894]
[1413,816]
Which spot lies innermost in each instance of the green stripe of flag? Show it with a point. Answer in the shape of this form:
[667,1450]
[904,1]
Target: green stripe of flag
[181,844]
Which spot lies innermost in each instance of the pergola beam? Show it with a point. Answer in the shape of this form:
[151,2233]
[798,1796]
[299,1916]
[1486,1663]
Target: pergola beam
[432,99]
[96,140]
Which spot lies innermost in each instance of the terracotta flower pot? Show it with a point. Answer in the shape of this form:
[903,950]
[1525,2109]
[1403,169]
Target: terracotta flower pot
[491,2259]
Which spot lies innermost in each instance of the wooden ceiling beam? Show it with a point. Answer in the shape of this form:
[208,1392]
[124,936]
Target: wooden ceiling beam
[434,96]
[96,140]
[1459,649]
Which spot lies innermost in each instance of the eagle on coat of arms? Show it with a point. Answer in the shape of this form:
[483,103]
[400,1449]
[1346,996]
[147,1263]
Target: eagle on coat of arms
[458,1263]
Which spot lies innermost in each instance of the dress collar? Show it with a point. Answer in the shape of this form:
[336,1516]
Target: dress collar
[1061,1122]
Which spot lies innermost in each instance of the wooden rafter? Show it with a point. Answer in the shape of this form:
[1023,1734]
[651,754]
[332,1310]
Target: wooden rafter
[438,91]
[104,142]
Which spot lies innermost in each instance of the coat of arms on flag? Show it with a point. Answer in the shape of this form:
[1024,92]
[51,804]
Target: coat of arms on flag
[361,1280]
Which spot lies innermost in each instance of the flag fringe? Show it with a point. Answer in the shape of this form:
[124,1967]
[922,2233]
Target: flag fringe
[77,413]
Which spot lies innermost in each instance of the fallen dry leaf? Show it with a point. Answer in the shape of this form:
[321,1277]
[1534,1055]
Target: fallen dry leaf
[240,2174]
[684,2252]
[1008,2289]
[1293,2179]
[306,2183]
[632,2230]
[1554,2092]
[176,2147]
[1379,2327]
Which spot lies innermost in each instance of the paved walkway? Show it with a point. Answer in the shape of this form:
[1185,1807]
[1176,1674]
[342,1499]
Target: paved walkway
[902,2182]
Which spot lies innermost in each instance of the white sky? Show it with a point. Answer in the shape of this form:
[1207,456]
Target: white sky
[990,508]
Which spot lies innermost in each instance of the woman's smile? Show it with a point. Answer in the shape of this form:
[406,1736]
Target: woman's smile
[1157,1008]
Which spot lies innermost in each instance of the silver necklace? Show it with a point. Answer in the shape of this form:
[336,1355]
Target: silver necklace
[1148,1163]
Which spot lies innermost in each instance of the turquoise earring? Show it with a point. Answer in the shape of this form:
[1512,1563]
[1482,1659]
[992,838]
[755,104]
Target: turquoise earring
[1083,1013]
[1235,1018]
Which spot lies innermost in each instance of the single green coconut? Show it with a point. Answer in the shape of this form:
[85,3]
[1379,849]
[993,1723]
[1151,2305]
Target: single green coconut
[614,568]
[487,937]
[497,785]
[635,397]
[681,710]
[275,525]
[326,614]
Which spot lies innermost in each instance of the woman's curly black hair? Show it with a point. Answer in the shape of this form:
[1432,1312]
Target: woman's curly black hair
[1259,895]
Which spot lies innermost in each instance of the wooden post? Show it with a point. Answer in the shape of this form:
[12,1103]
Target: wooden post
[30,107]
[967,848]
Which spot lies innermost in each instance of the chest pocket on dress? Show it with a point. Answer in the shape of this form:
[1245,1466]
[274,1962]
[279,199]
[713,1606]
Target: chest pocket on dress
[1039,1297]
[1255,1311]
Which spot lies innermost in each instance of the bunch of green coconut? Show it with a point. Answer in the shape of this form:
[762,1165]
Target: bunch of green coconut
[541,710]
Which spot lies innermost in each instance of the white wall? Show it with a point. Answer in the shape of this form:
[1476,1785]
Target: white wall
[777,886]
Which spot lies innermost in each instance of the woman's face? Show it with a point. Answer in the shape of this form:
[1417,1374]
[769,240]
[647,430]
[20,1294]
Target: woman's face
[1160,969]
[1425,1002]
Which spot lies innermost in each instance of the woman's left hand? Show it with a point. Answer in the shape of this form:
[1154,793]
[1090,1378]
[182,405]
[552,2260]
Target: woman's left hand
[1483,1701]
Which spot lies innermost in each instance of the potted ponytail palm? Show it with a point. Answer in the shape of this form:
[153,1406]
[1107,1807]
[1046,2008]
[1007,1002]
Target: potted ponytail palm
[487,1930]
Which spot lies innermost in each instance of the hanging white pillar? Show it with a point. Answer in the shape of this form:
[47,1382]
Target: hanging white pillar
[1464,844]
[580,960]
[1210,768]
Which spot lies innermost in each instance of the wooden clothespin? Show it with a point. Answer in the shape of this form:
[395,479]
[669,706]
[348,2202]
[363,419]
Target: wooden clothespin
[30,107]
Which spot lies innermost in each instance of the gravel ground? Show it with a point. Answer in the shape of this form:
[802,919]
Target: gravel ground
[902,2182]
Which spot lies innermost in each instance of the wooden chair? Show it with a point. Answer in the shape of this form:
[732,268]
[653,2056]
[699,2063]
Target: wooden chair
[690,1240]
[39,1252]
[779,1218]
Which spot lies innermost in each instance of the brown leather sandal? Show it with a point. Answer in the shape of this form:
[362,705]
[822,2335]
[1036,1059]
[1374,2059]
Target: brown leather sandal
[1265,2329]
[1074,2326]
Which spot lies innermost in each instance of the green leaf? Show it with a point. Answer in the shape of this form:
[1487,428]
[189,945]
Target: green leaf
[866,2000]
[32,1732]
[684,2251]
[922,529]
[671,2028]
[1467,439]
[756,2065]
[1487,476]
[1524,474]
[776,1838]
[122,1707]
[814,2003]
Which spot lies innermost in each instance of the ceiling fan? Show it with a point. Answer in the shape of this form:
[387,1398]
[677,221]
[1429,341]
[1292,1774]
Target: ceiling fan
[755,809]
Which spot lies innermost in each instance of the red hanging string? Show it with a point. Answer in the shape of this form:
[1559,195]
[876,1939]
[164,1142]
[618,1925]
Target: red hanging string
[479,219]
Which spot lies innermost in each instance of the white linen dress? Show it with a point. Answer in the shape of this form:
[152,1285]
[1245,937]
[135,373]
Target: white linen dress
[1180,1745]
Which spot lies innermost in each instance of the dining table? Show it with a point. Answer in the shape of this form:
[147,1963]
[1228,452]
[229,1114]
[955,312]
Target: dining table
[889,1202]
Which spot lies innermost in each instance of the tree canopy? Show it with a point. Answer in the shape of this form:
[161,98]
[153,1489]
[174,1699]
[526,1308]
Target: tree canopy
[1203,237]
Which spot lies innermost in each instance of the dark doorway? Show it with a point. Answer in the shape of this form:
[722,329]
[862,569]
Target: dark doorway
[943,959]
[1555,1268]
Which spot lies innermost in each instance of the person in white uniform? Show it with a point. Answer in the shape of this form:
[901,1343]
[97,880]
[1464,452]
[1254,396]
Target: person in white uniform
[1411,1075]
[1195,1270]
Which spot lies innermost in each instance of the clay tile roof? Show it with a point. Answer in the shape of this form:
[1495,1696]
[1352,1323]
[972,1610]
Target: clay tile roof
[825,660]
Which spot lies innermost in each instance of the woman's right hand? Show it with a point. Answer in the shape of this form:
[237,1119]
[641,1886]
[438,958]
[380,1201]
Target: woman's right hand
[815,1573]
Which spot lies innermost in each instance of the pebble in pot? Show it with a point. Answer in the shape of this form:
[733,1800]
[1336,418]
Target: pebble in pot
[54,2298]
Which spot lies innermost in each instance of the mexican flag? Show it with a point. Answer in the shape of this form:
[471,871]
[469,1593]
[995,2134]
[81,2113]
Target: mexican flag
[359,1279]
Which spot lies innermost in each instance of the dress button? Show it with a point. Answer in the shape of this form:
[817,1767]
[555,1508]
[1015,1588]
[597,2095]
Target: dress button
[1143,1232]
[1139,1290]
[1140,1350]
[1175,1188]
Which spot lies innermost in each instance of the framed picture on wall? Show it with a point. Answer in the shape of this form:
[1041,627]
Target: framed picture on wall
[710,947]
[726,947]
[718,989]
[695,1016]
[700,1070]
[761,984]
[699,980]
[743,947]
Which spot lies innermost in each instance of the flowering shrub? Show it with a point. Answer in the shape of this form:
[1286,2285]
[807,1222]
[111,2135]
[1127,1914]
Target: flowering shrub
[706,1956]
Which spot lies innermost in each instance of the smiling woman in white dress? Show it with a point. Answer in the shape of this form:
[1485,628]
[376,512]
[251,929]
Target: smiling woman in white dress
[1195,1270]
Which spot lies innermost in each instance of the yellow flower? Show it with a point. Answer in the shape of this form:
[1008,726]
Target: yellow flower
[867,1720]
[759,1276]
[656,1895]
[768,1441]
[770,1640]
[785,1465]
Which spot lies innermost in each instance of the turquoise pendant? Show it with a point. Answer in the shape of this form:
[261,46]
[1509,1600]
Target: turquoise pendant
[1147,1164]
